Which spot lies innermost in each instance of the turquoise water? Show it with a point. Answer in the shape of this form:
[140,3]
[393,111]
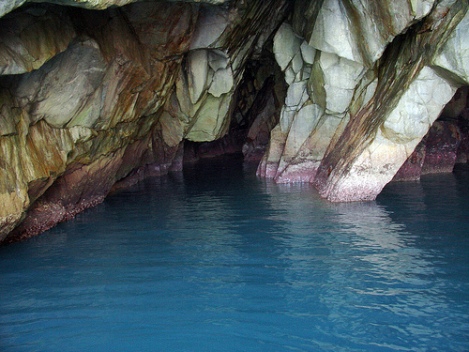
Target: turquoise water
[218,260]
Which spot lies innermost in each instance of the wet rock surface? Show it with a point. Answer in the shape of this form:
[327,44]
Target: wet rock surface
[366,82]
[106,98]
[338,93]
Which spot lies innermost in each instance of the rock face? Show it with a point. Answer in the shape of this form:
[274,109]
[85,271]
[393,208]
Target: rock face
[107,97]
[339,93]
[366,82]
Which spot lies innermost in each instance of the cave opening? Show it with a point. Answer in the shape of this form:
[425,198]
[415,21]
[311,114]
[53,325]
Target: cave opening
[255,112]
[130,137]
[96,100]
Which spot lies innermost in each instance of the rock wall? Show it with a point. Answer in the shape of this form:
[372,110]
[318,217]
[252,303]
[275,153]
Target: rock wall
[95,100]
[335,92]
[366,82]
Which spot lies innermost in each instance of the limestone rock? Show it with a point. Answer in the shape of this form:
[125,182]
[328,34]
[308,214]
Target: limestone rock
[206,85]
[403,129]
[286,45]
[427,96]
[95,100]
[210,120]
[339,80]
[197,72]
[82,108]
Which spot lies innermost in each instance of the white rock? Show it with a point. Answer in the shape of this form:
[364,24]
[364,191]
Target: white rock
[307,52]
[341,76]
[359,31]
[197,71]
[421,8]
[296,95]
[68,83]
[286,45]
[305,73]
[222,82]
[332,32]
[455,54]
[371,171]
[418,107]
[305,121]
[297,62]
[290,75]
[406,125]
[217,60]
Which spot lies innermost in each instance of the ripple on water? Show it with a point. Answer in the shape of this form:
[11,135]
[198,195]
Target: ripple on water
[222,261]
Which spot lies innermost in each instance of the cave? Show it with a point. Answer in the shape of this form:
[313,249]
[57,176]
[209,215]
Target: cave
[234,175]
[97,97]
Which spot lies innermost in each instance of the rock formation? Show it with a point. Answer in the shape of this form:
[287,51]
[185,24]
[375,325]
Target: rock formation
[111,95]
[339,93]
[366,82]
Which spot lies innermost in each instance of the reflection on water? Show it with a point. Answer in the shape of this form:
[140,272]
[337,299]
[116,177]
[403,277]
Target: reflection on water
[218,260]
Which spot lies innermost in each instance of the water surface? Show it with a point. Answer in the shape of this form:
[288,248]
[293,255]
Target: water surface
[217,260]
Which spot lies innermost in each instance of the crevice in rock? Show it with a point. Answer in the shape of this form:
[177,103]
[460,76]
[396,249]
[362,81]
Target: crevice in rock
[257,104]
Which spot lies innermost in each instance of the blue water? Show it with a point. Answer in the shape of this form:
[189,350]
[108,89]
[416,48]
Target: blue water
[218,260]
